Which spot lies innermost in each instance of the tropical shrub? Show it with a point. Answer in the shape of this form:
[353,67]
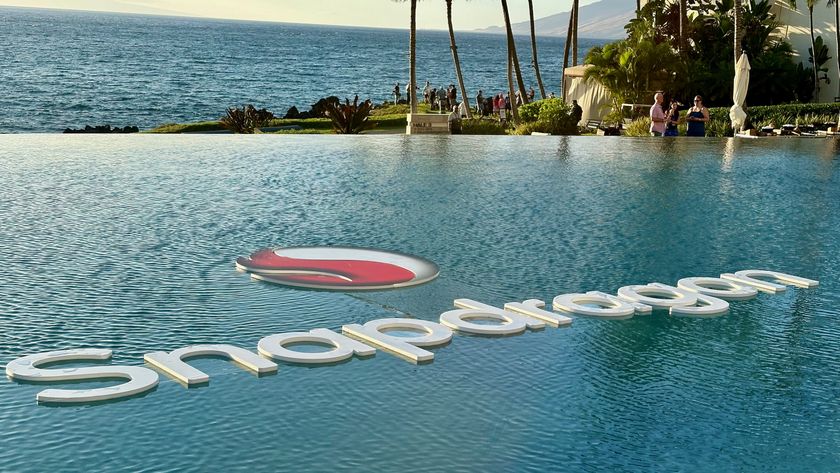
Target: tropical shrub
[638,127]
[349,118]
[819,60]
[530,111]
[246,119]
[482,126]
[548,116]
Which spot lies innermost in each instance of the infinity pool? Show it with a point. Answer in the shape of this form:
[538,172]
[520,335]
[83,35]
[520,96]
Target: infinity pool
[128,243]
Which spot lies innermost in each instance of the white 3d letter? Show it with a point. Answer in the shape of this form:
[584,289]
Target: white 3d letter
[749,276]
[26,369]
[608,306]
[273,346]
[536,308]
[408,347]
[718,287]
[657,295]
[173,365]
[511,322]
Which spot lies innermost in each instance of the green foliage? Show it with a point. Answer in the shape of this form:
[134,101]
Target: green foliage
[245,119]
[349,118]
[187,127]
[388,108]
[530,112]
[633,68]
[482,126]
[820,59]
[638,127]
[548,116]
[771,115]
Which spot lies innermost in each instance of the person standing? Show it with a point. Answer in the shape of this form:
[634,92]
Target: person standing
[396,93]
[697,117]
[452,95]
[531,94]
[577,112]
[462,109]
[657,115]
[454,122]
[479,103]
[442,102]
[427,89]
[672,119]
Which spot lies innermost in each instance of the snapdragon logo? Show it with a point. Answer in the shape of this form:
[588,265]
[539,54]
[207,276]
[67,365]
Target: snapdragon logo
[691,297]
[338,268]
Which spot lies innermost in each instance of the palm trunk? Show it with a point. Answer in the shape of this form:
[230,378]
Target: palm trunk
[576,8]
[738,33]
[566,53]
[837,38]
[534,50]
[455,57]
[814,56]
[412,58]
[638,7]
[512,48]
[514,111]
[683,23]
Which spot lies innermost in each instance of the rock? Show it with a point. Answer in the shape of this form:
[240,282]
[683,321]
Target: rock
[292,113]
[103,129]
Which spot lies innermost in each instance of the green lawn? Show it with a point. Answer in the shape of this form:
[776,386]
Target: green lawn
[388,118]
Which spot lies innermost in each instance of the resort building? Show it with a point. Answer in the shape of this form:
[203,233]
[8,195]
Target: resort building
[796,29]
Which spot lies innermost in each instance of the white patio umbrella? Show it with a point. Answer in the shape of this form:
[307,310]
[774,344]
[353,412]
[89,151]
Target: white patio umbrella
[739,92]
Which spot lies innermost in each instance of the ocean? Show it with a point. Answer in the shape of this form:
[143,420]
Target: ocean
[70,69]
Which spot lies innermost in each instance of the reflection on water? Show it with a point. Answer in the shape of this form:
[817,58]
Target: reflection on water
[128,243]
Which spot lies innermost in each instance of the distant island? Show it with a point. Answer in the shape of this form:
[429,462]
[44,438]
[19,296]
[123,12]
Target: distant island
[604,20]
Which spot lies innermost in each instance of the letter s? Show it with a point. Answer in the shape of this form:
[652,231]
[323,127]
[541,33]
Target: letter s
[26,368]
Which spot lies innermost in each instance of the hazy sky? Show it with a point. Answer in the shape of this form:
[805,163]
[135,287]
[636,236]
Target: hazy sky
[467,15]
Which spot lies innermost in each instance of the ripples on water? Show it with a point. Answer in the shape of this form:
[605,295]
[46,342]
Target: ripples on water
[128,243]
[70,69]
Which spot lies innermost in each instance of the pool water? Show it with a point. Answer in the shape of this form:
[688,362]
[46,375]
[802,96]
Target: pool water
[128,243]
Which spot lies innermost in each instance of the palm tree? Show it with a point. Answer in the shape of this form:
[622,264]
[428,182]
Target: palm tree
[811,4]
[534,50]
[836,5]
[514,109]
[576,8]
[683,23]
[512,53]
[569,36]
[412,58]
[739,27]
[455,57]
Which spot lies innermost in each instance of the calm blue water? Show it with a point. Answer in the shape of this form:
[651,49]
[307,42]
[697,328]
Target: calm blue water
[69,69]
[128,242]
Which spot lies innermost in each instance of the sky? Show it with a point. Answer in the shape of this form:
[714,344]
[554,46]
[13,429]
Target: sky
[466,15]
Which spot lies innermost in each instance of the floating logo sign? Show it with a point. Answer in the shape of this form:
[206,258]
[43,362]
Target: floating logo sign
[338,268]
[693,297]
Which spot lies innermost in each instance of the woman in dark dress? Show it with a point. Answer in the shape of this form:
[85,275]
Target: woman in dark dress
[672,119]
[697,117]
